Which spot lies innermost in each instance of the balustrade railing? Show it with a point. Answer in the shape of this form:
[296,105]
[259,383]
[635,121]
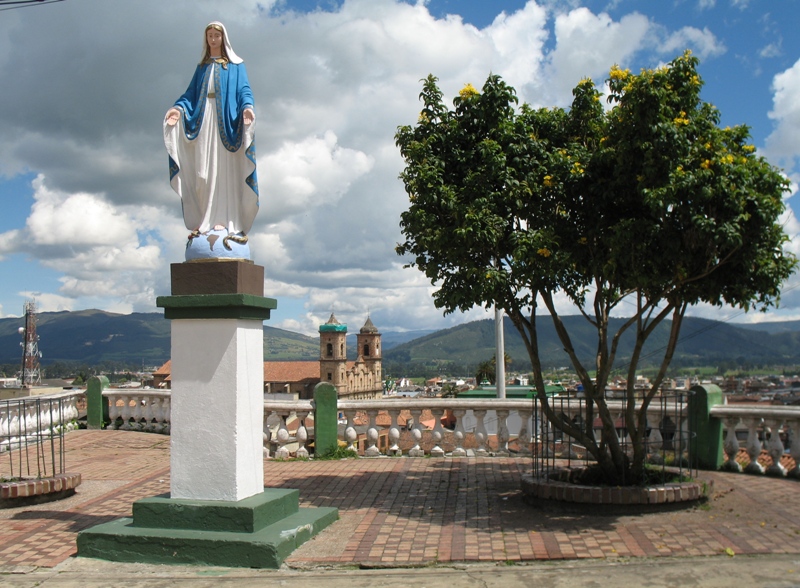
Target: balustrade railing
[475,427]
[140,410]
[492,427]
[32,431]
[405,430]
[775,429]
[277,417]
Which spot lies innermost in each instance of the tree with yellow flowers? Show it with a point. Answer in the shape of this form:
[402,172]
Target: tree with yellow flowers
[640,210]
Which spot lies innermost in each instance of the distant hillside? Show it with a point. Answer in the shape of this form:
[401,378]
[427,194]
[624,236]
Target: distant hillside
[702,342]
[94,336]
[771,327]
[392,339]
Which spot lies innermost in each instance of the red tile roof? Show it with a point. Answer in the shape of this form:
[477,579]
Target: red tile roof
[290,371]
[165,369]
[274,371]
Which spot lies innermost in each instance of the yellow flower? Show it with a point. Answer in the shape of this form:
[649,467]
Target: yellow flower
[423,117]
[544,252]
[727,158]
[467,91]
[577,168]
[749,148]
[583,240]
[619,74]
[548,182]
[706,164]
[681,119]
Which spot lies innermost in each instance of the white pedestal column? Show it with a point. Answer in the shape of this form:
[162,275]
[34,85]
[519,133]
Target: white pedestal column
[217,409]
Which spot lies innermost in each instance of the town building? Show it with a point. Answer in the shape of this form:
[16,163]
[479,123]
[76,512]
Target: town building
[361,379]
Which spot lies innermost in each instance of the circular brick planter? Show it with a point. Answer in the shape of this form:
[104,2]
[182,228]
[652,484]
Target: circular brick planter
[35,490]
[542,488]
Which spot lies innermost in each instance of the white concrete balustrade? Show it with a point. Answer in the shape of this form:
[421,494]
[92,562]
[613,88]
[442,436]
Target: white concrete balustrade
[770,428]
[140,410]
[24,420]
[276,432]
[516,426]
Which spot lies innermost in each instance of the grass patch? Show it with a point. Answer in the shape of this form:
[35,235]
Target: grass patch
[338,453]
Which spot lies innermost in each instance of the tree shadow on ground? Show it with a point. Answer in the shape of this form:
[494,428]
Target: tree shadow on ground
[77,521]
[484,495]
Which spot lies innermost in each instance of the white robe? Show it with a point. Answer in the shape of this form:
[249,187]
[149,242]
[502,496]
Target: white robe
[211,178]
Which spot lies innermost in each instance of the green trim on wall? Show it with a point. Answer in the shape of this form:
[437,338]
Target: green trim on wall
[705,444]
[215,306]
[96,403]
[326,424]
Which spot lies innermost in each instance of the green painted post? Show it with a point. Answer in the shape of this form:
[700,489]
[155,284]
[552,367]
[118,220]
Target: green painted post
[706,442]
[96,403]
[326,419]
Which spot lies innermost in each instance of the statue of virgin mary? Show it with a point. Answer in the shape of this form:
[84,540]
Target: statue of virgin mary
[210,136]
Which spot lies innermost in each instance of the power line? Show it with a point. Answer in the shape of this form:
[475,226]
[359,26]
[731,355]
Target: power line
[14,4]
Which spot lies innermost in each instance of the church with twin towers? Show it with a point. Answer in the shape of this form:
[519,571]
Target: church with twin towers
[357,380]
[361,379]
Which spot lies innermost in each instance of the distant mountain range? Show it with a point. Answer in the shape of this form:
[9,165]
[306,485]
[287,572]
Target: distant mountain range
[92,337]
[702,342]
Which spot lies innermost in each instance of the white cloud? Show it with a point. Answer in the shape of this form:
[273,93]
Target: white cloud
[331,87]
[702,42]
[587,45]
[518,42]
[771,50]
[10,242]
[47,302]
[75,221]
[310,173]
[783,144]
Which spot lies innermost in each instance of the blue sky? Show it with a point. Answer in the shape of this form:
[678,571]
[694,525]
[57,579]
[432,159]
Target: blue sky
[89,220]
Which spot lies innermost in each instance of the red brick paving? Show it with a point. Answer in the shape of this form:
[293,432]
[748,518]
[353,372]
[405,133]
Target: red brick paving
[414,511]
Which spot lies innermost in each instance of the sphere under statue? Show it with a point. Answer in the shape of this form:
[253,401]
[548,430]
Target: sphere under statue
[216,244]
[209,134]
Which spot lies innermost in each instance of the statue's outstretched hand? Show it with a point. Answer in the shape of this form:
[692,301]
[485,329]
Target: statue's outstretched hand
[248,116]
[173,114]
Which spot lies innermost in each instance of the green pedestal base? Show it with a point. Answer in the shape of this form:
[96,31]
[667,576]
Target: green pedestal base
[257,532]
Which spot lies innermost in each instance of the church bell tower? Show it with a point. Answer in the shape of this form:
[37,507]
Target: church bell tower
[369,349]
[333,353]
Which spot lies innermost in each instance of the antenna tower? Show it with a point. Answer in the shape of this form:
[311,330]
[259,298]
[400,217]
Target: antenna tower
[31,372]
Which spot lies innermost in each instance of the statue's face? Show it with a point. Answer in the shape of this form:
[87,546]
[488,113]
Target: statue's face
[214,40]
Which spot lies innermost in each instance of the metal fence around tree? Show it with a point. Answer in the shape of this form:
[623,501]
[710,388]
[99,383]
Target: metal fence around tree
[667,438]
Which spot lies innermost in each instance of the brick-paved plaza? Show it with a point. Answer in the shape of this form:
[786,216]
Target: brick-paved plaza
[397,512]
